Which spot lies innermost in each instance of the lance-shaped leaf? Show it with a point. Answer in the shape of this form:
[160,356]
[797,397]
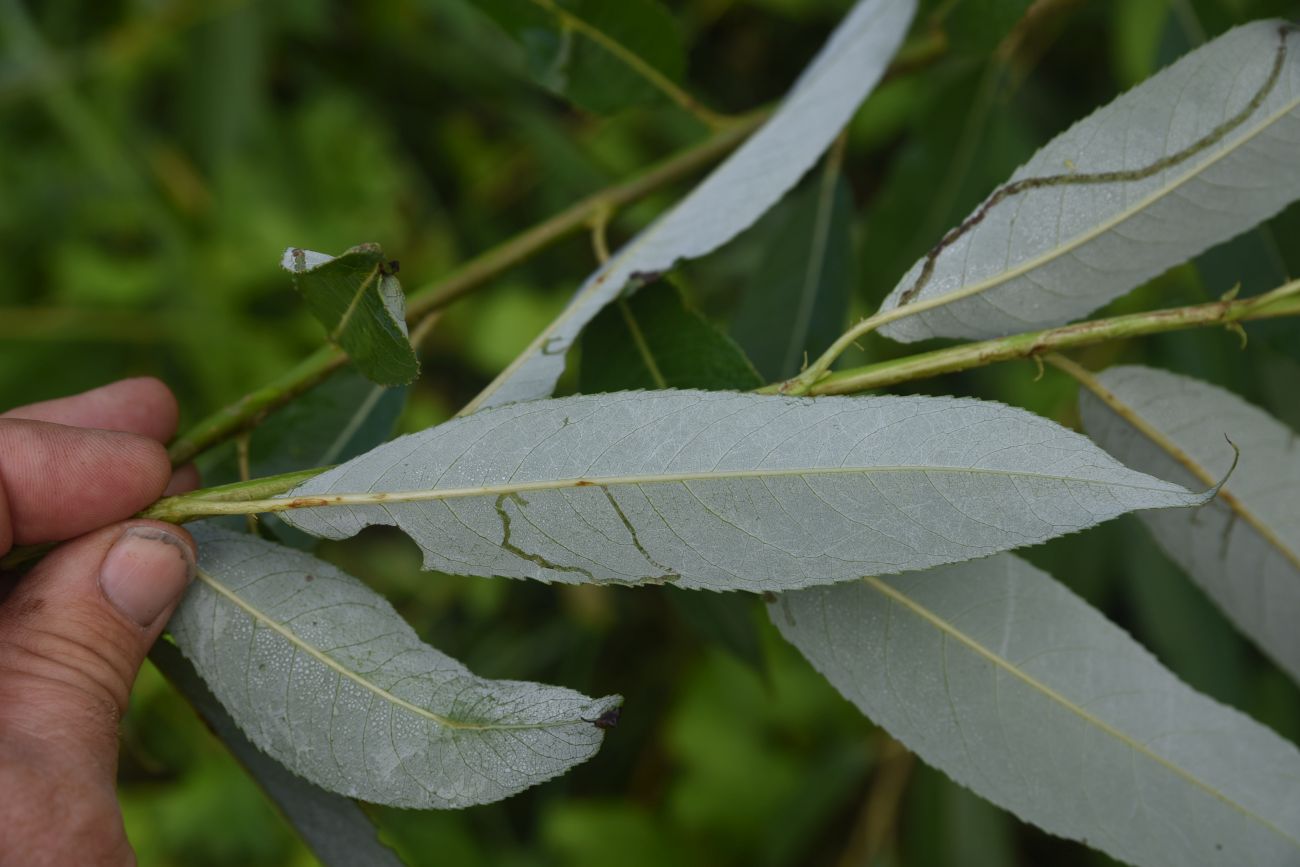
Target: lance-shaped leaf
[1244,548]
[1193,156]
[321,673]
[339,419]
[734,196]
[654,340]
[357,298]
[1013,686]
[798,299]
[333,827]
[724,491]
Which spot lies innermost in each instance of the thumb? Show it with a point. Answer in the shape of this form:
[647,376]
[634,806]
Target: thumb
[76,629]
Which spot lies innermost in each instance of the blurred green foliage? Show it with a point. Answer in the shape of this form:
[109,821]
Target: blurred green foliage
[157,157]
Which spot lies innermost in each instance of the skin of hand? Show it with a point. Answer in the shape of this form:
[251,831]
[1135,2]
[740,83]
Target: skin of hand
[75,629]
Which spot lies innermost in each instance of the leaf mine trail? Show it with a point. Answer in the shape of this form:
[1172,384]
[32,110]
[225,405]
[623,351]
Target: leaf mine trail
[1075,179]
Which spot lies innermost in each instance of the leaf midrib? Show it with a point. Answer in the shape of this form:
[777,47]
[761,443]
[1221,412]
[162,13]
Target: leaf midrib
[819,249]
[367,497]
[949,629]
[337,334]
[329,662]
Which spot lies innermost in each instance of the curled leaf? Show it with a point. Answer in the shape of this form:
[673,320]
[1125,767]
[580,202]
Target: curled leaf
[321,673]
[358,299]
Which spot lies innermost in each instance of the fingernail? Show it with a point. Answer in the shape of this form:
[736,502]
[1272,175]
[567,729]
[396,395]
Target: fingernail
[145,571]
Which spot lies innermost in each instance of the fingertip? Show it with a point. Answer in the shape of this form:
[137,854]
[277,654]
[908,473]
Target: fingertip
[146,571]
[163,410]
[153,466]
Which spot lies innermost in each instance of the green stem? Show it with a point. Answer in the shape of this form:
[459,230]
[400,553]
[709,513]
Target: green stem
[190,507]
[259,495]
[253,489]
[237,498]
[1283,301]
[248,410]
[493,262]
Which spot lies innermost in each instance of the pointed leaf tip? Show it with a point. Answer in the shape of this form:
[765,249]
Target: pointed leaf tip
[725,491]
[1243,547]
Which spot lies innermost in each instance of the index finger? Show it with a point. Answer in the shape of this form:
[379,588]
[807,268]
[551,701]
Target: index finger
[141,406]
[57,482]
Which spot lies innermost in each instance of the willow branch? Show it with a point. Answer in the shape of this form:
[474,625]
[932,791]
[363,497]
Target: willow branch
[249,410]
[262,495]
[1283,301]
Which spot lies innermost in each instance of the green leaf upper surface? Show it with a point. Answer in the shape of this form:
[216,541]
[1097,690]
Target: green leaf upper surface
[725,491]
[1193,156]
[737,193]
[334,421]
[797,302]
[359,301]
[1243,548]
[322,674]
[335,828]
[1013,686]
[584,70]
[654,340]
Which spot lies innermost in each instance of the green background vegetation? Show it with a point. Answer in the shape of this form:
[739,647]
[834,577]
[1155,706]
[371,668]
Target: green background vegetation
[157,157]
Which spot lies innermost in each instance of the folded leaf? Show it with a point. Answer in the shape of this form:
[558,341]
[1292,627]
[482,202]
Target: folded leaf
[357,298]
[1013,686]
[734,196]
[1195,155]
[321,673]
[724,491]
[1243,549]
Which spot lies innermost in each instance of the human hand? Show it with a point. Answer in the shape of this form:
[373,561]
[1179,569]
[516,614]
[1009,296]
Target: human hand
[75,629]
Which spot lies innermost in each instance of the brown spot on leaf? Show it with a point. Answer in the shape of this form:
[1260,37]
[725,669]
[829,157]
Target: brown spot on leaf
[607,720]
